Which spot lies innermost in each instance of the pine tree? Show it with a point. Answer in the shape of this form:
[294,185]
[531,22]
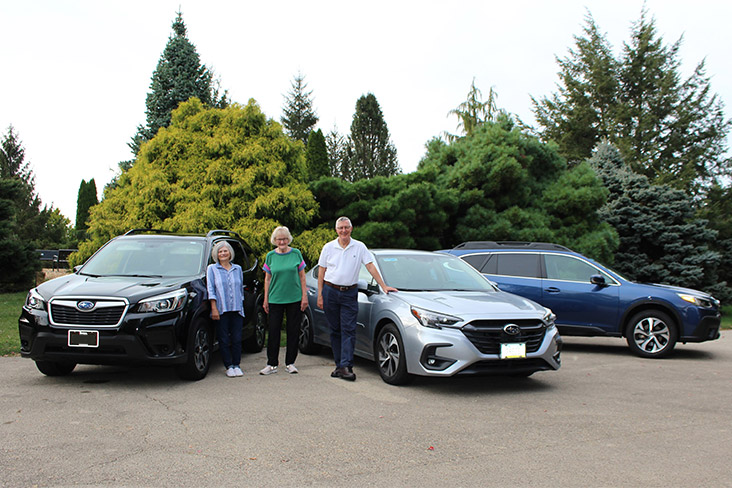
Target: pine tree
[582,113]
[317,156]
[86,199]
[671,130]
[661,239]
[28,216]
[338,155]
[474,111]
[178,77]
[373,154]
[299,117]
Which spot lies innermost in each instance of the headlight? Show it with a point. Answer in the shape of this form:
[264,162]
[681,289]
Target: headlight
[549,318]
[34,300]
[169,302]
[698,301]
[433,319]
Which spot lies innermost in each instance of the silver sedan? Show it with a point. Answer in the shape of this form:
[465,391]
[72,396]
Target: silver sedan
[446,319]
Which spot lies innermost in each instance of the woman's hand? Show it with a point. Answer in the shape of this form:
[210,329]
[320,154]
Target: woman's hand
[304,304]
[265,306]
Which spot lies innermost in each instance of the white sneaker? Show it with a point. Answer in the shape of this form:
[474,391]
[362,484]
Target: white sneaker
[238,371]
[269,370]
[230,372]
[290,368]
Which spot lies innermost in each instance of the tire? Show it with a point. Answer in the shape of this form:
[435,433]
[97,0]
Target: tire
[390,356]
[52,368]
[305,341]
[255,343]
[199,353]
[651,334]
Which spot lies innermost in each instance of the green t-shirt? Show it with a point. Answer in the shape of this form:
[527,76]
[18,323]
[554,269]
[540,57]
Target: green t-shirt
[284,271]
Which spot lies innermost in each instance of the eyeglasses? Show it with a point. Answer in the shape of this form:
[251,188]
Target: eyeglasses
[281,239]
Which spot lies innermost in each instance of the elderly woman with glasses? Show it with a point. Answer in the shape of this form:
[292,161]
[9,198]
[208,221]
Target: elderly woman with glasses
[284,293]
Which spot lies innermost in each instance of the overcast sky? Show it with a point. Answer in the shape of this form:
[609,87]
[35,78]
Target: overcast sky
[75,73]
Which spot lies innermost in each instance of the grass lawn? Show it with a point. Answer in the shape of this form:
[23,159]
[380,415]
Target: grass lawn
[11,303]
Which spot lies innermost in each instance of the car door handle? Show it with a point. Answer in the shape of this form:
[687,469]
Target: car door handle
[553,289]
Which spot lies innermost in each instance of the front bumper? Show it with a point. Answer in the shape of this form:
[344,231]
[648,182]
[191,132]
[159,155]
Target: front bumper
[448,352]
[133,342]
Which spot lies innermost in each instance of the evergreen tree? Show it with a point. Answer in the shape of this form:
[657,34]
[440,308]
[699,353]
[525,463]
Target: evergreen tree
[299,117]
[583,111]
[178,77]
[661,239]
[474,111]
[86,199]
[372,153]
[338,155]
[18,260]
[317,156]
[671,131]
[29,220]
[210,168]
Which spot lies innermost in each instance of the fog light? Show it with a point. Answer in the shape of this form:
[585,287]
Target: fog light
[430,360]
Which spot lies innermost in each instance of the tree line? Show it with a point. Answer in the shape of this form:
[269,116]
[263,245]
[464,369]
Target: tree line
[626,166]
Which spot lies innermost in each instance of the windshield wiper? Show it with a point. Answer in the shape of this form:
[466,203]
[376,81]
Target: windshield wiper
[137,276]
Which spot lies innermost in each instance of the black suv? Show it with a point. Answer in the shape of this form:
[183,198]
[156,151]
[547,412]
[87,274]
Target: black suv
[140,299]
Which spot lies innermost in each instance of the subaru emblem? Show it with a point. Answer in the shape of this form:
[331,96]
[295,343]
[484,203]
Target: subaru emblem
[85,305]
[512,329]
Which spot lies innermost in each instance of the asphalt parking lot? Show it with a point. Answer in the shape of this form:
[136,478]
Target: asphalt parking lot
[606,418]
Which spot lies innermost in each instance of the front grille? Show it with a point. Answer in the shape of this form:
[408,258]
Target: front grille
[488,335]
[105,313]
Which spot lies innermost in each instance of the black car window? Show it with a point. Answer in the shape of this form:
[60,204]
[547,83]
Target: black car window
[569,268]
[524,264]
[475,260]
[240,257]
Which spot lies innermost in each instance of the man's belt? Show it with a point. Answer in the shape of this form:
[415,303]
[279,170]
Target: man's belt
[339,287]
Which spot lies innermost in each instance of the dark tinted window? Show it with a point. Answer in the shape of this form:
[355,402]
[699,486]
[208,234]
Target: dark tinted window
[518,265]
[475,260]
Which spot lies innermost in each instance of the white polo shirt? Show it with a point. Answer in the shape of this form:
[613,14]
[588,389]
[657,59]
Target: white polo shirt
[343,265]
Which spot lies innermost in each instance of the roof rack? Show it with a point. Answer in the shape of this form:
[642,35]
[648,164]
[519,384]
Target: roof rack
[511,244]
[221,232]
[132,232]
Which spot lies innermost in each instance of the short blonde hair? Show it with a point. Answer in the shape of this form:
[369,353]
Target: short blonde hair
[280,230]
[219,245]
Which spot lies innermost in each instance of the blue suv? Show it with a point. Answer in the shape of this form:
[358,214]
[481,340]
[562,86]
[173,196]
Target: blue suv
[592,300]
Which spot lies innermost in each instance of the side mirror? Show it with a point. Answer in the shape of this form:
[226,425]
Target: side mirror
[598,280]
[364,287]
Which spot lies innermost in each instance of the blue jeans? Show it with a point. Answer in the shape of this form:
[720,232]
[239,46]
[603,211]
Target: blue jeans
[229,329]
[341,311]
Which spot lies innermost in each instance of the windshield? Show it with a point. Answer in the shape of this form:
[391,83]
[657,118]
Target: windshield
[147,257]
[430,272]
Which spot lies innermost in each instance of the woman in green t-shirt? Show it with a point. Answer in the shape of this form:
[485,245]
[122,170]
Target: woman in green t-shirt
[284,292]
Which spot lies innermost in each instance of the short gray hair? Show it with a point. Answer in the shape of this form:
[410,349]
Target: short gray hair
[280,230]
[343,219]
[219,245]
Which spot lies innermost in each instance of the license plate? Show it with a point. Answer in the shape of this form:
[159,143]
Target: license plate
[83,338]
[513,350]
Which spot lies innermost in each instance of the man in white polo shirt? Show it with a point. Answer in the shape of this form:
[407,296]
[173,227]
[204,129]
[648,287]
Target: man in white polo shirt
[340,262]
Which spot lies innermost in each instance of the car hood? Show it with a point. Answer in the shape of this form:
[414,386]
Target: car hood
[677,289]
[131,288]
[474,303]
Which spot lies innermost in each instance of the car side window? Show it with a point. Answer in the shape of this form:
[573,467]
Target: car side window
[523,265]
[475,260]
[568,268]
